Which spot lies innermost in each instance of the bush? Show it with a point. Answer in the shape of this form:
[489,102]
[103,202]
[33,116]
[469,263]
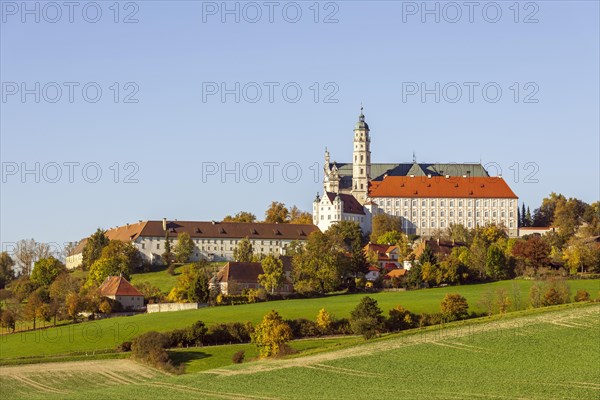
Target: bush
[257,295]
[557,291]
[366,319]
[233,332]
[341,327]
[454,306]
[324,321]
[124,347]
[150,347]
[400,319]
[302,327]
[238,357]
[271,334]
[582,295]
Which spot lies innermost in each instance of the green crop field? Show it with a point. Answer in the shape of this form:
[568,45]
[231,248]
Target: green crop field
[106,334]
[542,354]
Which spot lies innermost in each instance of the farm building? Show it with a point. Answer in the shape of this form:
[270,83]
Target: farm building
[387,255]
[119,289]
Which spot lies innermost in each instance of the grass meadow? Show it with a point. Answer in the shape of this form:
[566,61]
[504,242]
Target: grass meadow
[548,353]
[105,335]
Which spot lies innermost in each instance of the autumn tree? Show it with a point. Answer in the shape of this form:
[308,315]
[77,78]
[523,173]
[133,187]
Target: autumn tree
[33,307]
[46,270]
[244,251]
[496,266]
[324,321]
[454,306]
[277,212]
[7,272]
[382,223]
[58,291]
[183,248]
[318,268]
[271,334]
[349,235]
[92,250]
[74,305]
[105,267]
[242,216]
[273,275]
[125,251]
[192,284]
[24,253]
[298,216]
[532,252]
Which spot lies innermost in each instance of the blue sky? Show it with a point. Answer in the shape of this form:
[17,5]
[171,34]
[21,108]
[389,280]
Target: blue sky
[177,54]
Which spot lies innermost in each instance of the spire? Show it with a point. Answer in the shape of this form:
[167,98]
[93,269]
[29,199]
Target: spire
[414,157]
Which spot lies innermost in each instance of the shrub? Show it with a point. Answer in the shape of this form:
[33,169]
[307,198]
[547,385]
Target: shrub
[557,292]
[257,295]
[124,347]
[366,319]
[341,327]
[454,306]
[150,347]
[270,334]
[582,295]
[400,319]
[238,357]
[324,321]
[302,327]
[195,333]
[233,332]
[535,295]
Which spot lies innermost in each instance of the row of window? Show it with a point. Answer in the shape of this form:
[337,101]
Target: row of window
[442,224]
[452,213]
[442,203]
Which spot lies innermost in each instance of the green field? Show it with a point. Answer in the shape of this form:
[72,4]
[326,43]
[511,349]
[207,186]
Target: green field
[108,333]
[541,354]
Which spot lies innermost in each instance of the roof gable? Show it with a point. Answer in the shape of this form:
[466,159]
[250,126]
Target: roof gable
[118,286]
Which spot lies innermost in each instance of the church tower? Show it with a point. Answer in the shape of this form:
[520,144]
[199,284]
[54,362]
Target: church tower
[361,162]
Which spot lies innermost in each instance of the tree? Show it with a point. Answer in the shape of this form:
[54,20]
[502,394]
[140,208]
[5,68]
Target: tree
[243,251]
[298,216]
[366,319]
[273,275]
[126,251]
[25,255]
[568,215]
[390,237]
[349,235]
[22,287]
[319,267]
[532,252]
[528,218]
[495,264]
[192,284]
[167,255]
[33,306]
[521,216]
[427,256]
[277,212]
[7,273]
[544,215]
[454,306]
[242,216]
[92,250]
[184,247]
[271,334]
[46,270]
[105,267]
[478,257]
[382,223]
[74,305]
[400,319]
[9,319]
[325,321]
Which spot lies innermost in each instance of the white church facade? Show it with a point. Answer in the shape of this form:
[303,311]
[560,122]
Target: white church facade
[425,196]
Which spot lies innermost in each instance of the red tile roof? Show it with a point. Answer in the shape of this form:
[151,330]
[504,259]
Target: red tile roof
[118,286]
[439,186]
[396,273]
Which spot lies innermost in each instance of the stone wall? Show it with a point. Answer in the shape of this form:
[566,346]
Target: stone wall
[166,307]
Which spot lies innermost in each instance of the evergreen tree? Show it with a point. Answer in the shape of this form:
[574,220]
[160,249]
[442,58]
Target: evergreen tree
[166,255]
[528,218]
[523,222]
[519,221]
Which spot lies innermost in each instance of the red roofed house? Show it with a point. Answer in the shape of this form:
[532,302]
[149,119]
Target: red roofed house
[387,255]
[373,274]
[397,273]
[119,289]
[335,207]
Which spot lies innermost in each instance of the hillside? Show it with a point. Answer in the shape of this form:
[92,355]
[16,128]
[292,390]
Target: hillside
[540,354]
[108,333]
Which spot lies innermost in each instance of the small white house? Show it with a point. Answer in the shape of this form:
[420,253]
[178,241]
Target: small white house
[335,207]
[373,274]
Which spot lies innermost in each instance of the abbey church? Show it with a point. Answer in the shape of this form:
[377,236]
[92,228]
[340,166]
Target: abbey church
[425,196]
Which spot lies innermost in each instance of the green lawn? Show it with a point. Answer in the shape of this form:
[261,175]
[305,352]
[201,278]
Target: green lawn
[108,333]
[204,358]
[541,354]
[161,279]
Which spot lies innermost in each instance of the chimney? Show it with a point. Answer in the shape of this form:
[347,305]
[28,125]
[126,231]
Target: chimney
[164,224]
[429,176]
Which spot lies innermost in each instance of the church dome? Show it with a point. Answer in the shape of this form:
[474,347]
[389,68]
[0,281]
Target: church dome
[361,124]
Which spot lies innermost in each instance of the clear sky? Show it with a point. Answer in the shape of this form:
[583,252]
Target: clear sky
[162,118]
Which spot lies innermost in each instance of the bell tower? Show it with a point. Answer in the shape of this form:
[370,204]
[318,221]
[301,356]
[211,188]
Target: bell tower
[361,161]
